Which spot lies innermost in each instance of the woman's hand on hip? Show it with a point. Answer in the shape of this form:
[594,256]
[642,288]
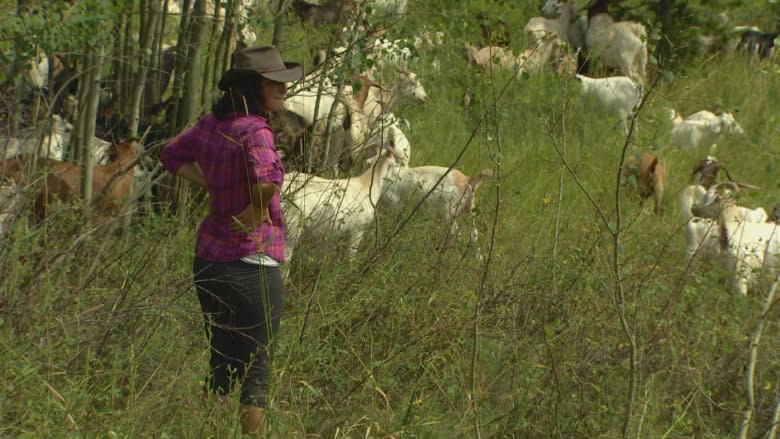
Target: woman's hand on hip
[250,219]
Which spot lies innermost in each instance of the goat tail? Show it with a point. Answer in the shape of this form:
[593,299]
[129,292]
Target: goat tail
[476,179]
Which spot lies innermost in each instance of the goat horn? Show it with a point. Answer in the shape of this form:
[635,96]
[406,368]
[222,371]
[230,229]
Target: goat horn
[748,186]
[728,184]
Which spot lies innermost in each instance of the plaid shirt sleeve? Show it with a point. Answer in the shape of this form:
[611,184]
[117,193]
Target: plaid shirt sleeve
[263,157]
[177,152]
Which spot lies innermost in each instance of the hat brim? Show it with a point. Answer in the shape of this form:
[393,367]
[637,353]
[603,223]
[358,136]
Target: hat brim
[293,72]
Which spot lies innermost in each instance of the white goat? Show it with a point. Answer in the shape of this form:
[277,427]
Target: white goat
[620,45]
[488,56]
[38,140]
[551,52]
[446,193]
[371,110]
[701,129]
[557,17]
[701,234]
[326,207]
[750,249]
[307,97]
[615,94]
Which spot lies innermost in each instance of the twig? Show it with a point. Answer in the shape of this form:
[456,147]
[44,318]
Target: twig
[750,372]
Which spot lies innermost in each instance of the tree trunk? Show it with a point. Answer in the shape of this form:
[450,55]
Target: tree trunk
[227,43]
[147,58]
[190,104]
[278,20]
[94,63]
[23,7]
[665,12]
[215,35]
[180,69]
[191,97]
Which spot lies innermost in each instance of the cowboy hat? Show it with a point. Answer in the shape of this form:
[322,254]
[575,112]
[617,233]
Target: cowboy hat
[263,60]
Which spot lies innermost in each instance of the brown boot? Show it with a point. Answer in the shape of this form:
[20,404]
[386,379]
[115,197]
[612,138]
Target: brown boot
[253,420]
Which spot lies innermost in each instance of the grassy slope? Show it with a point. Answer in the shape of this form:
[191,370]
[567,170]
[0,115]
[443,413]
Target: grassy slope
[107,337]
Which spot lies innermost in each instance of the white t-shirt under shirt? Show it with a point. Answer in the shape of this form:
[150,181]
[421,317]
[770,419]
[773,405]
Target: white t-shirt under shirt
[259,259]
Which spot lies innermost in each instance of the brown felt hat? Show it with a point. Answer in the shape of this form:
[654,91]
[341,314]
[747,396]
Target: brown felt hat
[263,60]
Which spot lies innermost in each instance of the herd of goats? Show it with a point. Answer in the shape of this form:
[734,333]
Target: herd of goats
[361,119]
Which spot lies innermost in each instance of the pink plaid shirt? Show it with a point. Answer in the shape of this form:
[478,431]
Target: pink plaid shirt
[233,153]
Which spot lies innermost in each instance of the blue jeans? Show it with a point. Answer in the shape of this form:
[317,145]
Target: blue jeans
[242,306]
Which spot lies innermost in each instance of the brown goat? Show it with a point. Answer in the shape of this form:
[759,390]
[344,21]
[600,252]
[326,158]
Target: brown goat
[707,170]
[650,177]
[63,182]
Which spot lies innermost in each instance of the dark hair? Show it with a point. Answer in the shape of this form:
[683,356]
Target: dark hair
[242,95]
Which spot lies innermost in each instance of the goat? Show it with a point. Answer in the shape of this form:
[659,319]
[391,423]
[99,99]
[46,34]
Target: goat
[447,193]
[616,94]
[707,170]
[650,178]
[63,182]
[486,57]
[369,106]
[702,128]
[576,29]
[557,17]
[701,234]
[304,98]
[758,43]
[326,207]
[39,140]
[316,106]
[749,248]
[290,133]
[552,52]
[620,45]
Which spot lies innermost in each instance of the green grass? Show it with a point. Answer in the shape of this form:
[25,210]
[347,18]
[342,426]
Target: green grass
[102,337]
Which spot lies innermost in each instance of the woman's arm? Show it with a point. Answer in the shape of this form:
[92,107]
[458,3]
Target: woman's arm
[256,211]
[191,171]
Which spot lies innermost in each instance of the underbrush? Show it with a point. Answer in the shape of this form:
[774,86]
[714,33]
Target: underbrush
[583,318]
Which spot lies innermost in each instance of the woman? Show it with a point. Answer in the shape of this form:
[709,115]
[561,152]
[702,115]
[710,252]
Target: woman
[231,152]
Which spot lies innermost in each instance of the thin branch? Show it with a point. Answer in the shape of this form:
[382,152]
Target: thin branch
[750,372]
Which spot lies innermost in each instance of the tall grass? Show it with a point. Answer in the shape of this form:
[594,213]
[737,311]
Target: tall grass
[570,328]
